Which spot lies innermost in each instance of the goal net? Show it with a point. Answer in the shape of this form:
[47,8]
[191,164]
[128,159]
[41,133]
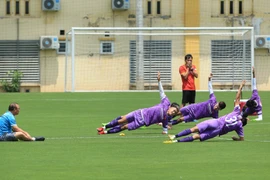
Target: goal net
[124,59]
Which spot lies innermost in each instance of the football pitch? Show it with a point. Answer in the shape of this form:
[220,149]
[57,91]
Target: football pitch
[73,150]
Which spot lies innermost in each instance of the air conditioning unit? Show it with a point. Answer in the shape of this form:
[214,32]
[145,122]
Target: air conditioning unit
[262,41]
[50,5]
[49,42]
[120,4]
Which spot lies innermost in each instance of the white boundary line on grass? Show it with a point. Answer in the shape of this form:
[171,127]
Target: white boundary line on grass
[263,141]
[143,136]
[103,136]
[262,123]
[133,137]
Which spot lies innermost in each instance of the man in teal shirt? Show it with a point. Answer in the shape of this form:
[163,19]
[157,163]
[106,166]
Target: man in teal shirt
[9,130]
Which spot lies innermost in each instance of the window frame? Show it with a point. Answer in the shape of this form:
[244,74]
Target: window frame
[8,3]
[67,47]
[158,7]
[27,7]
[240,7]
[222,7]
[102,47]
[17,8]
[157,55]
[149,7]
[231,7]
[23,55]
[238,53]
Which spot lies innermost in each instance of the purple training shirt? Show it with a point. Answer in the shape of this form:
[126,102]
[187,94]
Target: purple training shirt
[232,122]
[258,109]
[157,113]
[200,110]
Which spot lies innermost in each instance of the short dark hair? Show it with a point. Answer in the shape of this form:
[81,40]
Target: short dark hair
[176,105]
[244,121]
[188,56]
[251,103]
[222,105]
[12,106]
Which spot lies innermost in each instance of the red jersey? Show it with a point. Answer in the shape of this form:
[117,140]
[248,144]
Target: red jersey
[187,84]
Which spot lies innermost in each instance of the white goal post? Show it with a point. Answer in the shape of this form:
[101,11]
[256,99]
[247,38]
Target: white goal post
[125,58]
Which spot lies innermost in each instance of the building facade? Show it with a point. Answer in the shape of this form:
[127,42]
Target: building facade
[110,64]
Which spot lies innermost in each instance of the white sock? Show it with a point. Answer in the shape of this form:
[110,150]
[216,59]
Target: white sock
[33,138]
[259,116]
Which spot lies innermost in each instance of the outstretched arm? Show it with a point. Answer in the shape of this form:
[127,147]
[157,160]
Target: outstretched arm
[210,84]
[238,95]
[160,87]
[253,79]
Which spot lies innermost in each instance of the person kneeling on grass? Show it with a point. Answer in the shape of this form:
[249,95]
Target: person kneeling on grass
[162,112]
[9,130]
[214,127]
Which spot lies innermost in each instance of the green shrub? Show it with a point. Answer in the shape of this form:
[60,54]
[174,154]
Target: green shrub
[15,83]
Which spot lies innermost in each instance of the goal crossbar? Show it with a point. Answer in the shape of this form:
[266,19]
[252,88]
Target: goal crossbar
[156,28]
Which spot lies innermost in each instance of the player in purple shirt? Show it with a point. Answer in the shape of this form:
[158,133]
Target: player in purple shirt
[216,127]
[162,112]
[204,109]
[254,104]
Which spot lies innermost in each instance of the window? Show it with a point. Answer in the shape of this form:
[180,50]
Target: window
[22,55]
[8,7]
[240,7]
[221,7]
[63,47]
[27,7]
[106,47]
[62,32]
[149,7]
[230,53]
[157,55]
[231,7]
[17,8]
[158,7]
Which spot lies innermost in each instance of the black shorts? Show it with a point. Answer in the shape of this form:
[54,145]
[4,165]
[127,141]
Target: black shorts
[188,96]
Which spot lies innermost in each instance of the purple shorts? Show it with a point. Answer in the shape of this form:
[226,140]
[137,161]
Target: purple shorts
[187,114]
[208,129]
[135,120]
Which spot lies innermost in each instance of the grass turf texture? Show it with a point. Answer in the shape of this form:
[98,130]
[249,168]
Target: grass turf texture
[73,150]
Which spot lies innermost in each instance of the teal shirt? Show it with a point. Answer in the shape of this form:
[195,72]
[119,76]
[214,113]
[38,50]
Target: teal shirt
[7,120]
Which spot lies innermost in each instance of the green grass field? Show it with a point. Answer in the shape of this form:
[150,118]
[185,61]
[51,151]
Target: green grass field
[73,150]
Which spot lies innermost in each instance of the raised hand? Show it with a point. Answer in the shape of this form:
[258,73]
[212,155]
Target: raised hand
[210,76]
[243,83]
[158,76]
